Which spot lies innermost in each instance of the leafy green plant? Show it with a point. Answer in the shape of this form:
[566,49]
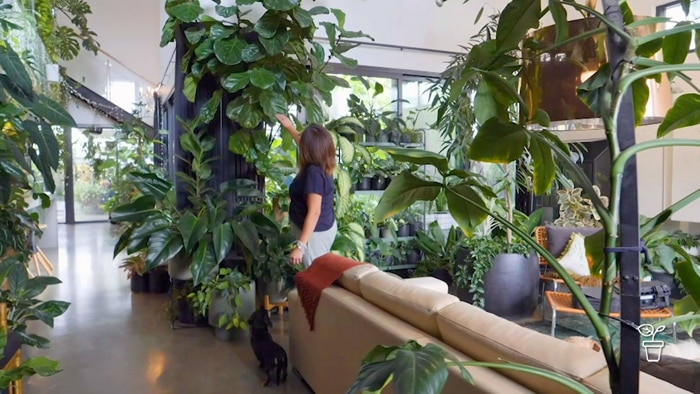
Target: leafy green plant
[577,211]
[29,151]
[413,368]
[440,251]
[228,284]
[271,63]
[200,231]
[134,265]
[62,41]
[482,250]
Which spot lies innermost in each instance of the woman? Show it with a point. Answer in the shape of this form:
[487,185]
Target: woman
[311,210]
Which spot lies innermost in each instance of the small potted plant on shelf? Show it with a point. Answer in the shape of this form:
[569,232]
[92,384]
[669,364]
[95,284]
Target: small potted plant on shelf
[135,268]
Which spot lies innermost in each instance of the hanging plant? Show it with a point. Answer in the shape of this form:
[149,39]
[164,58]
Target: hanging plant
[269,64]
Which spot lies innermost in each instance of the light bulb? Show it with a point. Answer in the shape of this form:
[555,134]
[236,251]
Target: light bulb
[439,2]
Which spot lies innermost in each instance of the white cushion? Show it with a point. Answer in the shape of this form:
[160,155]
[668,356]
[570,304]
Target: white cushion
[574,257]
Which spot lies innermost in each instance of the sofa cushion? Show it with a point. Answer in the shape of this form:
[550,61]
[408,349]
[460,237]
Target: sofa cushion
[558,237]
[487,337]
[351,278]
[428,282]
[600,383]
[413,304]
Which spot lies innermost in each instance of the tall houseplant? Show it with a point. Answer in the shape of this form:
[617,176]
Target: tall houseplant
[500,140]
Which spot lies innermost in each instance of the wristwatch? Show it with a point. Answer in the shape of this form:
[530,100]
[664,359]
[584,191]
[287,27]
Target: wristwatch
[301,246]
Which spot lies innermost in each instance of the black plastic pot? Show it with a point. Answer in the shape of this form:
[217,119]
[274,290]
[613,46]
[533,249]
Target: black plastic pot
[370,138]
[384,137]
[365,184]
[413,257]
[404,230]
[378,183]
[384,232]
[183,309]
[443,275]
[669,281]
[158,281]
[413,228]
[511,286]
[139,283]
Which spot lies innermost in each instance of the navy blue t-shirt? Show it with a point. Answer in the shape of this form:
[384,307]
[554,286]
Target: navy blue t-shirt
[312,180]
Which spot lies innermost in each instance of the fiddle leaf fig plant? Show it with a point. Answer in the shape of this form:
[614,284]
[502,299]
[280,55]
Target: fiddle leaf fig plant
[269,64]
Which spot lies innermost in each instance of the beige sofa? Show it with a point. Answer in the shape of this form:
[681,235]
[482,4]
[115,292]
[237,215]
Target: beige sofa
[368,307]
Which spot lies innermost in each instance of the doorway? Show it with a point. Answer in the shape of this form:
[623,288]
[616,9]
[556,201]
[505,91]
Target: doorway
[85,185]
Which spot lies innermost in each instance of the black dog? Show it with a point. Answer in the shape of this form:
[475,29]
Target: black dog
[272,357]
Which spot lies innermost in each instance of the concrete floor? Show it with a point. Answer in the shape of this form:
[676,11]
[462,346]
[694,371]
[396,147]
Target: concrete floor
[113,341]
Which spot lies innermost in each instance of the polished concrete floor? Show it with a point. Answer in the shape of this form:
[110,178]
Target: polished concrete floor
[113,341]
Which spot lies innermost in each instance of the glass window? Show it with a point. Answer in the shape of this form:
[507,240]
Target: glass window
[381,95]
[675,12]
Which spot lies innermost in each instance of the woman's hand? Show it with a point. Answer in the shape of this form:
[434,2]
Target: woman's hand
[296,256]
[285,121]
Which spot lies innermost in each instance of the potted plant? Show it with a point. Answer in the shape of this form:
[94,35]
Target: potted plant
[222,298]
[441,252]
[271,269]
[135,268]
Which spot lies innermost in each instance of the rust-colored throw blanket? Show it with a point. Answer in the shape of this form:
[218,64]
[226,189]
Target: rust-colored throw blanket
[322,273]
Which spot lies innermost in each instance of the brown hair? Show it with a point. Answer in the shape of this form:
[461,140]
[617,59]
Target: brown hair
[317,147]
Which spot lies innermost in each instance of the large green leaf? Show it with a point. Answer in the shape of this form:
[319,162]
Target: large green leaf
[52,112]
[226,11]
[421,157]
[273,103]
[468,215]
[517,18]
[252,53]
[235,82]
[685,306]
[504,91]
[193,228]
[186,12]
[211,107]
[148,228]
[280,5]
[223,239]
[403,191]
[162,247]
[561,22]
[218,32]
[27,100]
[190,88]
[122,242]
[486,106]
[268,24]
[590,91]
[44,137]
[151,184]
[274,45]
[303,17]
[689,275]
[675,47]
[499,142]
[640,95]
[13,67]
[543,162]
[136,211]
[244,113]
[229,50]
[685,112]
[262,78]
[203,263]
[247,235]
